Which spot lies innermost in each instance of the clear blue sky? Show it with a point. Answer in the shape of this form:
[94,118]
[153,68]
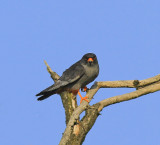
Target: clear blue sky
[124,34]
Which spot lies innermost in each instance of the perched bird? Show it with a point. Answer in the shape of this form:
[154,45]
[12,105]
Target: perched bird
[74,78]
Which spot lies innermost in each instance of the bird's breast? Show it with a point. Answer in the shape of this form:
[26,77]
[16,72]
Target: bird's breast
[90,74]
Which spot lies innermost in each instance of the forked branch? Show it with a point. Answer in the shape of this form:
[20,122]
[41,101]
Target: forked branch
[73,112]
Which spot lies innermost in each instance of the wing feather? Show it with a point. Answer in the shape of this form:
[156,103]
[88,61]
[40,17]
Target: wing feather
[72,74]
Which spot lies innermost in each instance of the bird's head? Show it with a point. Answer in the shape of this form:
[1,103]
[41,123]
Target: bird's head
[89,59]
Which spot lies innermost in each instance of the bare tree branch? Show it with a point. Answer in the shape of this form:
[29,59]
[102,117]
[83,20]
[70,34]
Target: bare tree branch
[68,99]
[151,85]
[129,83]
[53,74]
[129,96]
[68,131]
[76,130]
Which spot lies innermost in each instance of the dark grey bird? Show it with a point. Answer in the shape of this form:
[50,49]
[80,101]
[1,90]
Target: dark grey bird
[74,78]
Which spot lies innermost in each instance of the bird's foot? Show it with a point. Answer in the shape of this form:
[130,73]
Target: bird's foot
[83,98]
[84,89]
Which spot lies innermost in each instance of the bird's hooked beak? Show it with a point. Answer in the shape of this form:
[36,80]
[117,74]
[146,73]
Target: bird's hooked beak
[90,60]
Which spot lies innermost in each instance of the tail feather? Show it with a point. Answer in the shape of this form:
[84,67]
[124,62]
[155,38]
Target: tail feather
[44,97]
[46,93]
[51,90]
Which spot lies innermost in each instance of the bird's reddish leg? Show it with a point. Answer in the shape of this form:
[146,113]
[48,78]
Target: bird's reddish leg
[83,98]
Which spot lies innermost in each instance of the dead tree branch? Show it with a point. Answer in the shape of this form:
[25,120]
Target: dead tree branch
[69,101]
[76,130]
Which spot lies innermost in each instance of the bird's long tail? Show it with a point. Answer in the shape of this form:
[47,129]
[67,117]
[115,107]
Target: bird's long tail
[44,97]
[47,92]
[52,90]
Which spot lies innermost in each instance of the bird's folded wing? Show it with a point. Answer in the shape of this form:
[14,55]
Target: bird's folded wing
[71,75]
